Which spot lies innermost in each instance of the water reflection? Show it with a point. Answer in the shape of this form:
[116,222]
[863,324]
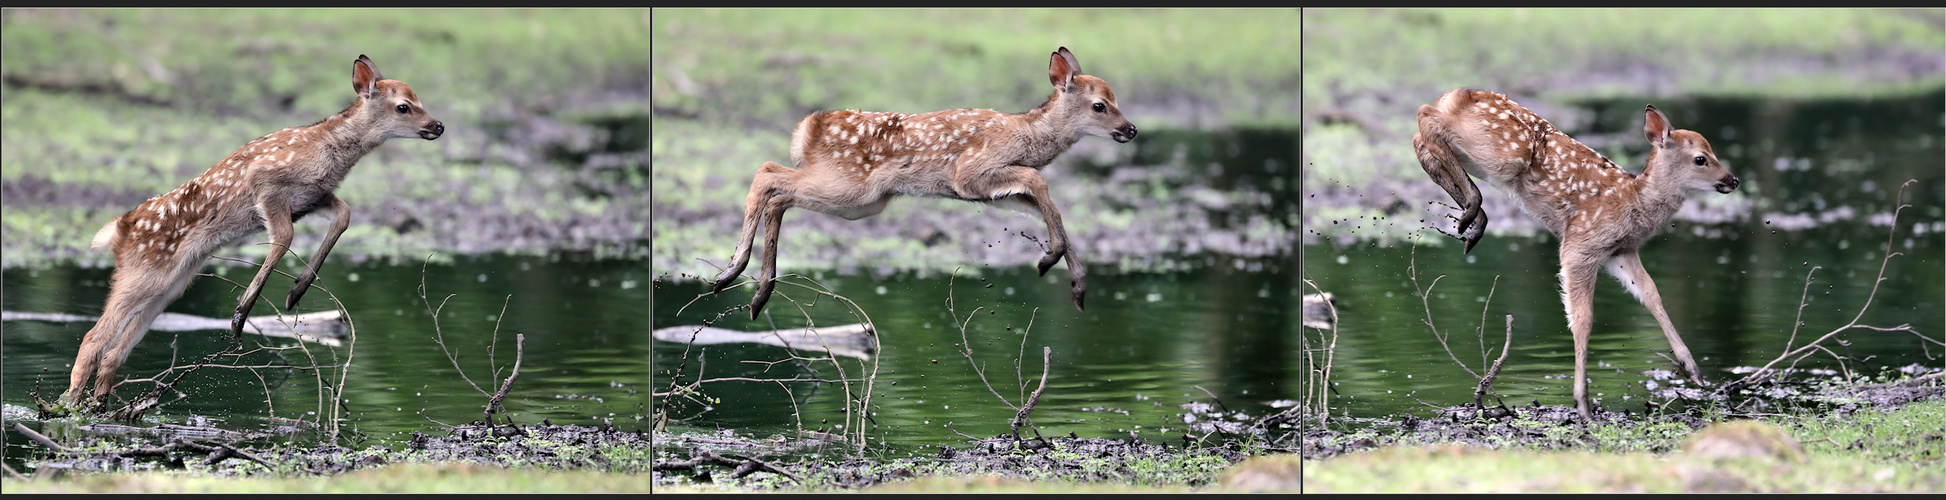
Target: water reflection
[1125,365]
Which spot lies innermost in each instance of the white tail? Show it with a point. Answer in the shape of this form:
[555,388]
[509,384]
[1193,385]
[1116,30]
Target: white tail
[265,184]
[1601,213]
[851,163]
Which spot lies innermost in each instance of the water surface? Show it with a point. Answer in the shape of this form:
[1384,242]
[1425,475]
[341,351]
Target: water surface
[585,360]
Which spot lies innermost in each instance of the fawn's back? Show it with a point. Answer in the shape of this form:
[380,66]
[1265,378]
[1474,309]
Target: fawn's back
[922,154]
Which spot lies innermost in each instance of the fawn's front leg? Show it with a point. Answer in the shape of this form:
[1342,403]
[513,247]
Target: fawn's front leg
[340,219]
[1025,185]
[277,219]
[1627,267]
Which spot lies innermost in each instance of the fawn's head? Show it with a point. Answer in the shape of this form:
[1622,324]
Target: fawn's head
[1086,99]
[393,103]
[1685,155]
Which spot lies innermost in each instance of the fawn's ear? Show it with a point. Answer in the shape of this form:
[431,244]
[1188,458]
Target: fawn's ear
[1061,68]
[364,76]
[1656,127]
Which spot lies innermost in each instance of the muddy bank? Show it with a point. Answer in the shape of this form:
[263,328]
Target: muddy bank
[1216,441]
[546,446]
[1550,427]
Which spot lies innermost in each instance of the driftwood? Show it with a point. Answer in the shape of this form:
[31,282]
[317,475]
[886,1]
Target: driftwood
[700,457]
[323,327]
[855,340]
[1317,309]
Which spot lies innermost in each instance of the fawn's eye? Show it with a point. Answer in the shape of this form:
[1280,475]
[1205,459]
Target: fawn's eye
[1702,161]
[1099,108]
[403,109]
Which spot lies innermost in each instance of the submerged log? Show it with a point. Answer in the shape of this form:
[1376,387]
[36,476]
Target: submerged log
[322,327]
[855,340]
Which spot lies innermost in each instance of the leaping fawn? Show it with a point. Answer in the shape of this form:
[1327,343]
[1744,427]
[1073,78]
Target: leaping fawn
[266,184]
[1601,213]
[852,163]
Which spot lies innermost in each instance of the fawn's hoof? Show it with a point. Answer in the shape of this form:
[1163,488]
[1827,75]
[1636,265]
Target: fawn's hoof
[757,305]
[762,296]
[723,281]
[1472,228]
[290,301]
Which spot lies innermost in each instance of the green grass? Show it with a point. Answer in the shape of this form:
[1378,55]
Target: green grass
[1867,451]
[776,65]
[1578,51]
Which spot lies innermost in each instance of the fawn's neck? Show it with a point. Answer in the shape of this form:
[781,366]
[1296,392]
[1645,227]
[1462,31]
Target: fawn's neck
[347,136]
[1050,129]
[1661,193]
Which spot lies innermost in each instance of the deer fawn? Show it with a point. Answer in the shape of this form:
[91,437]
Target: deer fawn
[1601,213]
[851,163]
[266,184]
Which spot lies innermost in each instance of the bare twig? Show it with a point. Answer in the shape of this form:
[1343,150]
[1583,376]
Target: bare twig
[38,438]
[857,411]
[1487,381]
[1808,349]
[1322,386]
[1020,417]
[520,350]
[437,335]
[1425,296]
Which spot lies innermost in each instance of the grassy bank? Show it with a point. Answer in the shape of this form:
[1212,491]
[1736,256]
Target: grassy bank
[1865,451]
[1585,53]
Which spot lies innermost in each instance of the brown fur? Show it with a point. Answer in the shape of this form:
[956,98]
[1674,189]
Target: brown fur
[266,184]
[852,163]
[1601,213]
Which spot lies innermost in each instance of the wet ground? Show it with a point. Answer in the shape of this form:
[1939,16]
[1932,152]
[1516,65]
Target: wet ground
[1219,439]
[208,451]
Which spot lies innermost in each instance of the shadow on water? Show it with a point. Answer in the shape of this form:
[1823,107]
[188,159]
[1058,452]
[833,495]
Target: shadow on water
[1223,319]
[1821,176]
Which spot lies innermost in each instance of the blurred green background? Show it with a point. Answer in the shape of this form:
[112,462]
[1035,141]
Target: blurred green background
[729,85]
[545,113]
[1366,72]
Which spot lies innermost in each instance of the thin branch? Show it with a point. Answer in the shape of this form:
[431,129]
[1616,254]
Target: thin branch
[1020,417]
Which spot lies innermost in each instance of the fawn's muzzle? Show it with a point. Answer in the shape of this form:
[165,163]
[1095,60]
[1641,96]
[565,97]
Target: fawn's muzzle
[1727,184]
[1124,134]
[432,131]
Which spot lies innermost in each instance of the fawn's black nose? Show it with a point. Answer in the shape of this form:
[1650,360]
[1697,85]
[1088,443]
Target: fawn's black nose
[433,131]
[1728,184]
[1124,134]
